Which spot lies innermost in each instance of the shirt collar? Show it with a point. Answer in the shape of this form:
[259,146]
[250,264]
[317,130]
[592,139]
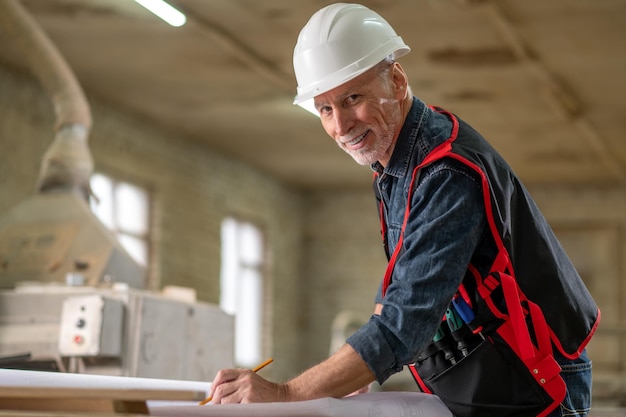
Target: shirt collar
[400,160]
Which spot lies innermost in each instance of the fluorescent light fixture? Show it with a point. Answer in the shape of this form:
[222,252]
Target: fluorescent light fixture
[164,11]
[309,105]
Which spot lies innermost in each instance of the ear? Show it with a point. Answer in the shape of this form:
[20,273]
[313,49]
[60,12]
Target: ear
[400,81]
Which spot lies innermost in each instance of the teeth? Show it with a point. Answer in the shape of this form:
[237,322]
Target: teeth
[356,140]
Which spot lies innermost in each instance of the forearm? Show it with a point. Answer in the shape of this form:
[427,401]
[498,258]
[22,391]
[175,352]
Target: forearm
[341,374]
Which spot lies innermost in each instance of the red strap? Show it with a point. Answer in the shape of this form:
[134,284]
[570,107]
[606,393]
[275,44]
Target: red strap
[514,308]
[490,282]
[391,264]
[419,380]
[542,334]
[502,262]
[437,153]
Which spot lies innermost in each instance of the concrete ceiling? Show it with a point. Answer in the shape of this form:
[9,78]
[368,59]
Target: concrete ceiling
[544,81]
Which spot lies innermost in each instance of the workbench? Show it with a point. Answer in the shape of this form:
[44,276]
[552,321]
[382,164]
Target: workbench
[53,394]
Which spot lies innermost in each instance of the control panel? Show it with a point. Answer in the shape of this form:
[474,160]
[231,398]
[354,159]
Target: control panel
[91,325]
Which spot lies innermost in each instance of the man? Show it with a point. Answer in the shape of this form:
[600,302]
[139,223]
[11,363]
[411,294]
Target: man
[452,213]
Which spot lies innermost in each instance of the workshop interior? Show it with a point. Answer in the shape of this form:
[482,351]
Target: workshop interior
[166,211]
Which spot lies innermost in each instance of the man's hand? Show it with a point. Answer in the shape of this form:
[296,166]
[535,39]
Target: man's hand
[244,386]
[341,374]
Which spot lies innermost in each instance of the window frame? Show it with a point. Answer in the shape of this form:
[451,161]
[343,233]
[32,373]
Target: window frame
[114,224]
[260,267]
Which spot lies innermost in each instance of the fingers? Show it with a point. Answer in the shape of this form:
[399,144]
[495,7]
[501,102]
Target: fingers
[225,375]
[231,386]
[227,393]
[220,384]
[244,386]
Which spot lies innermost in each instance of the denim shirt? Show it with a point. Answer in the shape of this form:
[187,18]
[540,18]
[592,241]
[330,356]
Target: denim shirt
[447,228]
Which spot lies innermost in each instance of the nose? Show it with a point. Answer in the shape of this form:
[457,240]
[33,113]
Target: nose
[343,121]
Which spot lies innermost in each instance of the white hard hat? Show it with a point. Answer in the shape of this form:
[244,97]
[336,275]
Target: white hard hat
[338,43]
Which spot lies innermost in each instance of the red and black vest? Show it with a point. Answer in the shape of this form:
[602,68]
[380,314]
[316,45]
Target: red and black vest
[527,248]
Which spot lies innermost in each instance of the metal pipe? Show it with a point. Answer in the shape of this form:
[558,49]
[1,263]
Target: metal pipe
[67,164]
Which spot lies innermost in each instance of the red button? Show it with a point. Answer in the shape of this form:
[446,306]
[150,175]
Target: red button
[78,339]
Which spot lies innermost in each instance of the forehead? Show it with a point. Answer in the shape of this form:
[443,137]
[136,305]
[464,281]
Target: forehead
[368,81]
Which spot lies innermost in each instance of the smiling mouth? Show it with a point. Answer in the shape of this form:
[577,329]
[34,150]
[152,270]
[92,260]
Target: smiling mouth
[356,140]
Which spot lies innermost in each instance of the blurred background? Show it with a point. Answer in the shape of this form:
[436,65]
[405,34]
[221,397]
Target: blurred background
[233,202]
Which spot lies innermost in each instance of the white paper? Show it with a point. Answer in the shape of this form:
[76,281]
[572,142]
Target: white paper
[376,404]
[19,378]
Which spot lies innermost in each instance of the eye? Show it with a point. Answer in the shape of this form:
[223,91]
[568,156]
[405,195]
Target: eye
[351,99]
[324,109]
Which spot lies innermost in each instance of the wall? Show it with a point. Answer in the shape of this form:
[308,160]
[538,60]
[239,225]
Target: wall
[344,261]
[192,189]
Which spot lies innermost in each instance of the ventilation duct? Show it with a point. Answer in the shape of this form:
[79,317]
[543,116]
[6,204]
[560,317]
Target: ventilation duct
[52,236]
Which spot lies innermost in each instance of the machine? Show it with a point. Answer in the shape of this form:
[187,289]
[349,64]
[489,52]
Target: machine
[113,331]
[71,297]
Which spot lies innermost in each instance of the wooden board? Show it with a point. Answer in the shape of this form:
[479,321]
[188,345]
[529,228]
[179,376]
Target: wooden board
[89,399]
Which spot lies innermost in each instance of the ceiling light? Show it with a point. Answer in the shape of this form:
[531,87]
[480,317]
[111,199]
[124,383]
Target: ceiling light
[164,11]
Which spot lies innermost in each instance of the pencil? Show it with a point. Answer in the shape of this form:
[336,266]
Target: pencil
[263,365]
[258,368]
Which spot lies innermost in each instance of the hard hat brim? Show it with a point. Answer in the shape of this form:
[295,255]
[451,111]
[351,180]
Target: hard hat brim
[392,50]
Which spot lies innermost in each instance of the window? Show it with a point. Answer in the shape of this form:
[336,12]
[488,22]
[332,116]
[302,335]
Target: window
[241,287]
[124,209]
